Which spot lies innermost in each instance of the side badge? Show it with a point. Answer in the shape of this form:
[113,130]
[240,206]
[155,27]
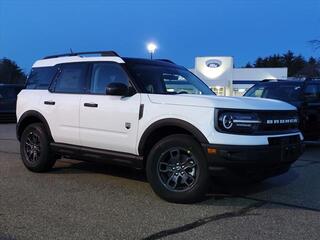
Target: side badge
[128,125]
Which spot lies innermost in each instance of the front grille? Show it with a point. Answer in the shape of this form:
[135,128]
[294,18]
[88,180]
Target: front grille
[280,141]
[278,121]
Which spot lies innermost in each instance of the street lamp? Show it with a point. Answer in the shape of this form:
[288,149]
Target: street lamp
[151,49]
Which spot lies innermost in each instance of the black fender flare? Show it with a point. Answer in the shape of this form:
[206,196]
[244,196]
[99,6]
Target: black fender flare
[23,121]
[171,122]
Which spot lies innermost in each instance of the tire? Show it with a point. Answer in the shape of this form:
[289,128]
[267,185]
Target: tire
[35,149]
[177,169]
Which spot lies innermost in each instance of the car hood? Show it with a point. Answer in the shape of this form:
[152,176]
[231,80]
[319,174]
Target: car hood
[212,101]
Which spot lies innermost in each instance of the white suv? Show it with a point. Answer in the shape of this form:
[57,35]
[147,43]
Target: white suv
[153,115]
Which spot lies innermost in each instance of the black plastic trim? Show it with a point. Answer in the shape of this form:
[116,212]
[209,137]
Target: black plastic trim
[171,122]
[27,115]
[97,155]
[141,109]
[254,156]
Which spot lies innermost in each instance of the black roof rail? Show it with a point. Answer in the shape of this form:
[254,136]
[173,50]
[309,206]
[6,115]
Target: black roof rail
[270,80]
[102,53]
[165,60]
[312,79]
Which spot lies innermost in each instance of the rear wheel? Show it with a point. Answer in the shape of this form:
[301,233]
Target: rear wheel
[177,169]
[35,149]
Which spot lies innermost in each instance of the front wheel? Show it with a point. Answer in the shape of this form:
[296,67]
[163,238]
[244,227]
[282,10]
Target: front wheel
[35,149]
[177,169]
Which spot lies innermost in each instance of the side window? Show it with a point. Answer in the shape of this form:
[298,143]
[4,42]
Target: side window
[256,92]
[40,78]
[72,78]
[104,74]
[312,91]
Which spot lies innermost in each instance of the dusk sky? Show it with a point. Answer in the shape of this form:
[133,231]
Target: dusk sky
[245,29]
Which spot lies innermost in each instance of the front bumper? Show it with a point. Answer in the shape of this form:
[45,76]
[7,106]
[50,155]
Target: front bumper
[279,154]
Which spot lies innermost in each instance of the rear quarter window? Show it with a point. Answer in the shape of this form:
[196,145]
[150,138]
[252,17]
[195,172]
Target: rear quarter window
[40,78]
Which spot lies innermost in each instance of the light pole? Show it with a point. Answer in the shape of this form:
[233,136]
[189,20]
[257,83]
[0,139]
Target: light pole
[151,49]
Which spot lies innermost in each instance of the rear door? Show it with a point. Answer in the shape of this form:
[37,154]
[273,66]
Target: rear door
[60,105]
[109,122]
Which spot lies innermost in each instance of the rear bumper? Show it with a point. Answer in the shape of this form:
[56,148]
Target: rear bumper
[273,157]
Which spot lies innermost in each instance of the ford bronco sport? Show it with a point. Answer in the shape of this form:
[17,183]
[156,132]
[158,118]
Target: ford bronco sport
[304,94]
[152,115]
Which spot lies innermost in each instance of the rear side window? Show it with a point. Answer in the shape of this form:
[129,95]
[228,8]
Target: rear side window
[40,78]
[72,78]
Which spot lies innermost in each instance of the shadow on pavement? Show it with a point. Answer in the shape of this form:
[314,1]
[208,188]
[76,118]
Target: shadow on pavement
[78,167]
[218,190]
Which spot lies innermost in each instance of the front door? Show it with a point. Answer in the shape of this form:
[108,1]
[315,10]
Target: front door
[108,122]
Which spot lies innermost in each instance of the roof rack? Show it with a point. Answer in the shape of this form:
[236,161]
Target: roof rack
[271,80]
[312,79]
[164,60]
[102,53]
[302,79]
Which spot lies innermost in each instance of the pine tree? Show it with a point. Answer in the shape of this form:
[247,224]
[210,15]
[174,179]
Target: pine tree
[11,73]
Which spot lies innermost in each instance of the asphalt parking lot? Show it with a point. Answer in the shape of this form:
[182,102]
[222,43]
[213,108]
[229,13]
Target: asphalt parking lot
[80,200]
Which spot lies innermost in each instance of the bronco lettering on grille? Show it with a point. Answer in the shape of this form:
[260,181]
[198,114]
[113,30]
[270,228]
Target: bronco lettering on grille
[282,121]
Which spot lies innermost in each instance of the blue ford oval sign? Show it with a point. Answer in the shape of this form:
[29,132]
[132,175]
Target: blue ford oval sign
[213,63]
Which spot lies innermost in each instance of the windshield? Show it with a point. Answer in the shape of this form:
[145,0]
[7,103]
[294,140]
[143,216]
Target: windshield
[284,91]
[158,79]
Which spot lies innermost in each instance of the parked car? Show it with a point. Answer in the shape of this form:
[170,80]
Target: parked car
[302,93]
[153,115]
[8,99]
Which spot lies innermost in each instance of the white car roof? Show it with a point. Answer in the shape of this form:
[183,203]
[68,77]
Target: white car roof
[70,59]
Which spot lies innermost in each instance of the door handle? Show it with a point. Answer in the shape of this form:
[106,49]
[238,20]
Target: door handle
[49,102]
[91,105]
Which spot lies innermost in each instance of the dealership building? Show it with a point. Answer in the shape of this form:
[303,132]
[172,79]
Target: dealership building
[221,76]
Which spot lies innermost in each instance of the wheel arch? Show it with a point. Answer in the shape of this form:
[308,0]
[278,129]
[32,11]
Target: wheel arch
[30,117]
[165,127]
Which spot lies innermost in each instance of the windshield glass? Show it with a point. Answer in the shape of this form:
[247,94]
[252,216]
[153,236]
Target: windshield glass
[158,79]
[284,91]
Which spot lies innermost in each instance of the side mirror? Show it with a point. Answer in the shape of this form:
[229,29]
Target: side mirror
[117,89]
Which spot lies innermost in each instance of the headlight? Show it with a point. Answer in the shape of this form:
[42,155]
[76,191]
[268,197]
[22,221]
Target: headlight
[237,122]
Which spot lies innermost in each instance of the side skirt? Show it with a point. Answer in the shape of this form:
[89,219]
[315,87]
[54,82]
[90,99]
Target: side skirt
[97,155]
